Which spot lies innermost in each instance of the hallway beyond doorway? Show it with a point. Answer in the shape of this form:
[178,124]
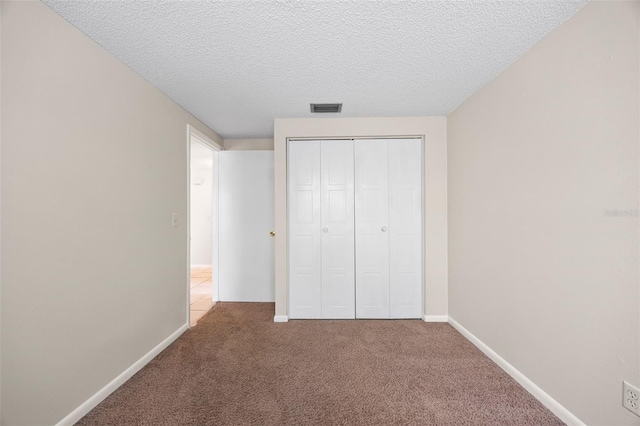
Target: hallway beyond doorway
[201,293]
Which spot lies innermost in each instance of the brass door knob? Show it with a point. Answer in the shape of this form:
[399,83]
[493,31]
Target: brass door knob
[272,233]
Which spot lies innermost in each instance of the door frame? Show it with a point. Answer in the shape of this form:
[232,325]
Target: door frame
[193,133]
[288,140]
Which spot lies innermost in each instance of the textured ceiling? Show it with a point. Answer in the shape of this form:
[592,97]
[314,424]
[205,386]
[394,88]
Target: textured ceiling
[237,65]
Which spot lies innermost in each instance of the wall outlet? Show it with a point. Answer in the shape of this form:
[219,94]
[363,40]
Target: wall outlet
[631,398]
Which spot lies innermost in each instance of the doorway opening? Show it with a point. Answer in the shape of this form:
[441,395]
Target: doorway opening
[203,225]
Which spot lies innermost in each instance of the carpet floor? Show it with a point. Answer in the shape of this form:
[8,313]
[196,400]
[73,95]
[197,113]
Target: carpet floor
[238,367]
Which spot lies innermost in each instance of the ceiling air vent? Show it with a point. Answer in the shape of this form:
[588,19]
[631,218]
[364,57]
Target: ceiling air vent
[318,108]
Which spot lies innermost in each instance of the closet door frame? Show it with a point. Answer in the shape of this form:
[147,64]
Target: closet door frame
[421,138]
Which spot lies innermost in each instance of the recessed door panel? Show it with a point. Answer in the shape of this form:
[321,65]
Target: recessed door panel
[338,274]
[373,292]
[405,228]
[407,292]
[372,225]
[304,254]
[303,200]
[334,293]
[305,283]
[338,251]
[337,206]
[305,275]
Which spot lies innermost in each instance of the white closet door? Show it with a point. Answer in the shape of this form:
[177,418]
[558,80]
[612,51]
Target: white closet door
[338,275]
[305,275]
[405,228]
[372,226]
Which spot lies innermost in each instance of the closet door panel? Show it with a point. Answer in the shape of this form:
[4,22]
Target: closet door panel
[372,223]
[338,274]
[305,272]
[405,228]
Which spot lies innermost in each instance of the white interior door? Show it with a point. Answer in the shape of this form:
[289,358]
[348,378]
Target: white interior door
[372,225]
[246,252]
[305,248]
[405,228]
[337,211]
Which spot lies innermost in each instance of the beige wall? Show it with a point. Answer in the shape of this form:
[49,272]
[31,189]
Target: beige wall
[93,165]
[537,270]
[248,144]
[434,130]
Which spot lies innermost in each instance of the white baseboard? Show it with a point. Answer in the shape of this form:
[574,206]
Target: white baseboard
[554,406]
[96,399]
[435,318]
[281,318]
[201,266]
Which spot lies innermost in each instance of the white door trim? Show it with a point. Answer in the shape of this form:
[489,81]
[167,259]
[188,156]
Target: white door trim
[193,133]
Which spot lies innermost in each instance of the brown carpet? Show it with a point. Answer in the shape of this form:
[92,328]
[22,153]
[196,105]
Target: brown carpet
[237,367]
